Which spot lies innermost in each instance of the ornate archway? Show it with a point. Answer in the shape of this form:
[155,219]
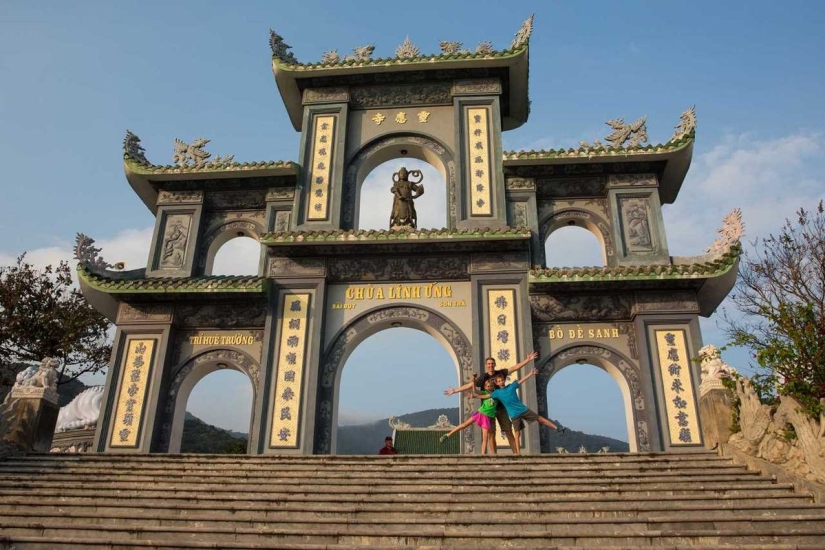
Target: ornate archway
[186,375]
[419,146]
[624,372]
[590,221]
[356,332]
[215,236]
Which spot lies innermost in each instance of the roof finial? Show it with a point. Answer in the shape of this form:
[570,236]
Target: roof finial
[523,34]
[687,124]
[407,50]
[280,49]
[729,234]
[133,149]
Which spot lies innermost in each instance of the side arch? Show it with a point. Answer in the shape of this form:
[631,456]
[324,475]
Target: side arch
[184,377]
[624,371]
[216,236]
[583,218]
[358,330]
[419,146]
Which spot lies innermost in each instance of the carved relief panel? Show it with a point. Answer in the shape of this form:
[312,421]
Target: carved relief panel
[637,224]
[174,242]
[636,233]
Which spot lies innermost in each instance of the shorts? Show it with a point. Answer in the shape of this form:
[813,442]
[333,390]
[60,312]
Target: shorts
[528,416]
[503,420]
[482,421]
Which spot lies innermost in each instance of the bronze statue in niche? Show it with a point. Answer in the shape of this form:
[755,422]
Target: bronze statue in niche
[404,193]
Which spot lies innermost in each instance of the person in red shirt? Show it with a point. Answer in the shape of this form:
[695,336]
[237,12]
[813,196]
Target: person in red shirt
[388,449]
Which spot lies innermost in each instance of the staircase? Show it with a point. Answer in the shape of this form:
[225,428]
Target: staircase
[605,501]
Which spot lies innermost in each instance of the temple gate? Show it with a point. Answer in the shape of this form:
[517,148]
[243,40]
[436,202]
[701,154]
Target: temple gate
[480,286]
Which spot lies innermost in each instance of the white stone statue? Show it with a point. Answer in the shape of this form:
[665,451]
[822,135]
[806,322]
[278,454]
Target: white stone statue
[45,376]
[82,412]
[714,370]
[24,375]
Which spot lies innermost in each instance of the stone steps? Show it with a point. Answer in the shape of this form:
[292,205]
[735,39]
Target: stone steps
[337,503]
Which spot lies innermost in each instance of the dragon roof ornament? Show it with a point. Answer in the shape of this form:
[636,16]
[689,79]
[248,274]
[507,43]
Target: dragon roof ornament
[687,124]
[133,149]
[196,155]
[86,253]
[633,134]
[523,35]
[729,234]
[280,49]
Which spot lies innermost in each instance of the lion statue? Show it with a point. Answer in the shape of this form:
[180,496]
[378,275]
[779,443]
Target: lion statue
[714,370]
[44,377]
[82,412]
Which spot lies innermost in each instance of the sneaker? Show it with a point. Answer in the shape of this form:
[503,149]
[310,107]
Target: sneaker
[442,439]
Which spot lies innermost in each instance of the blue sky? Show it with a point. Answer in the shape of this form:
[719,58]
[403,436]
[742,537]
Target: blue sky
[75,76]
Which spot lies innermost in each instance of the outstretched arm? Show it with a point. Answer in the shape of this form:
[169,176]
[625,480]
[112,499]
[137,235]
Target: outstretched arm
[464,387]
[527,376]
[518,366]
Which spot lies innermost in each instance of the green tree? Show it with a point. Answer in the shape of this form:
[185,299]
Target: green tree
[780,294]
[43,315]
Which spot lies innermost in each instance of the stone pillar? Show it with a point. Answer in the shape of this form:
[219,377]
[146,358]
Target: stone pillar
[28,417]
[716,412]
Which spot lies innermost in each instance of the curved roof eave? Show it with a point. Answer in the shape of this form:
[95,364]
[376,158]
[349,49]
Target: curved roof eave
[143,179]
[287,77]
[677,157]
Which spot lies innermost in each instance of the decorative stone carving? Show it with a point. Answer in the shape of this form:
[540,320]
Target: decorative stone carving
[687,124]
[236,200]
[491,263]
[714,370]
[144,313]
[282,219]
[341,345]
[523,35]
[405,191]
[484,48]
[449,48]
[361,53]
[296,267]
[548,188]
[730,233]
[622,180]
[453,267]
[597,307]
[636,223]
[326,95]
[477,86]
[280,194]
[190,154]
[133,149]
[225,316]
[633,134]
[520,184]
[330,57]
[653,301]
[407,50]
[39,382]
[82,412]
[280,49]
[370,97]
[175,237]
[397,424]
[180,197]
[86,253]
[520,214]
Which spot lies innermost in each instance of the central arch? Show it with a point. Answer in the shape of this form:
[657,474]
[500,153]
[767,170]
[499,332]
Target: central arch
[620,368]
[419,146]
[364,326]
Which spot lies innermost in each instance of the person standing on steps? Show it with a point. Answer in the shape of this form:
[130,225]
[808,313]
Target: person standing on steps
[518,411]
[388,448]
[502,417]
[485,417]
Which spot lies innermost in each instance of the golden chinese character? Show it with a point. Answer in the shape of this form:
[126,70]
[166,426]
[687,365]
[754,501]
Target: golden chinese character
[378,118]
[401,118]
[423,116]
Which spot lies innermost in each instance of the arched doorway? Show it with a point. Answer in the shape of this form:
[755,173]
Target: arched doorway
[376,200]
[239,255]
[573,246]
[377,383]
[370,323]
[218,414]
[186,376]
[401,148]
[620,368]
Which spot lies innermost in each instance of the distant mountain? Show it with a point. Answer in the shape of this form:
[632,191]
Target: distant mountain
[200,437]
[369,438]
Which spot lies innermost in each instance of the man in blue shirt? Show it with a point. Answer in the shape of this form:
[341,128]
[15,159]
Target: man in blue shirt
[518,412]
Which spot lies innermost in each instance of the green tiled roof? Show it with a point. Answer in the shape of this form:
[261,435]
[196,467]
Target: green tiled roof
[138,167]
[590,152]
[699,270]
[383,235]
[425,442]
[117,284]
